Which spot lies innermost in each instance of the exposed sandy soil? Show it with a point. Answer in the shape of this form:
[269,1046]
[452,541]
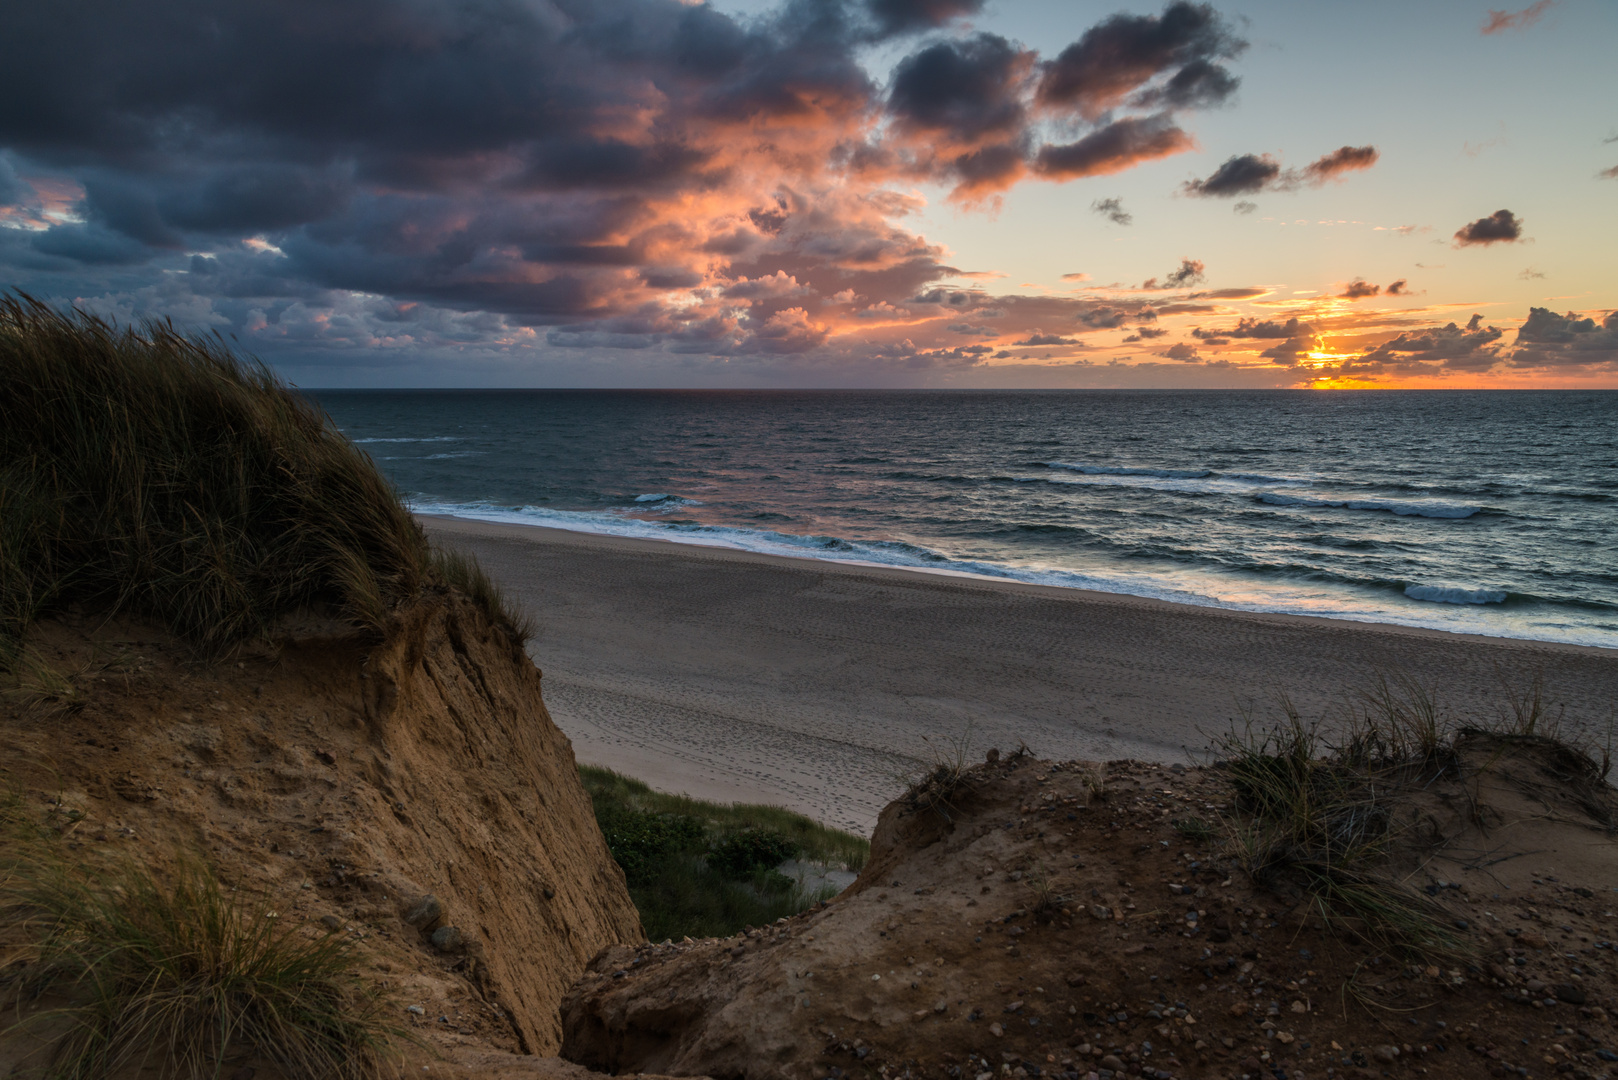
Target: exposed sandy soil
[344,780]
[735,676]
[1155,956]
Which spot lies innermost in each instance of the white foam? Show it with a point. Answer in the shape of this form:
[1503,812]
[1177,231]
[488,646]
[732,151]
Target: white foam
[1200,589]
[1402,507]
[1129,470]
[432,438]
[1442,595]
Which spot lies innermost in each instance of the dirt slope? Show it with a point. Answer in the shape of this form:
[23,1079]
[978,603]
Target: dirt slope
[347,780]
[1041,929]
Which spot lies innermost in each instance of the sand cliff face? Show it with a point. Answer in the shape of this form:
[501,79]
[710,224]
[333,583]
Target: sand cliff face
[1037,929]
[347,781]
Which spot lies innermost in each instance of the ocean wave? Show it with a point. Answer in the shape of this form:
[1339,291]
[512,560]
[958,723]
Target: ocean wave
[1289,594]
[662,500]
[427,438]
[1442,595]
[1404,508]
[1129,470]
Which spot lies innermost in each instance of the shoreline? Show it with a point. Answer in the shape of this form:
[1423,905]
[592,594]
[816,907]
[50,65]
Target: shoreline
[1426,614]
[813,683]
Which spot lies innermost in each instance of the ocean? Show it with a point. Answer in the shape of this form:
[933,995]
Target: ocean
[1481,512]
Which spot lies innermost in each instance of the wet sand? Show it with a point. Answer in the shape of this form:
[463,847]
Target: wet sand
[820,686]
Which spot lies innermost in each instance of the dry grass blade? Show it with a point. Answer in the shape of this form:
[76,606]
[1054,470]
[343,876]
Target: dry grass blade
[147,471]
[177,975]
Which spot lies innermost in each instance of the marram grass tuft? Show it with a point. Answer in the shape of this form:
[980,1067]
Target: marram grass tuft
[154,473]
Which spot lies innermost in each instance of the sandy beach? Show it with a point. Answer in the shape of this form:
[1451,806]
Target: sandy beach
[818,686]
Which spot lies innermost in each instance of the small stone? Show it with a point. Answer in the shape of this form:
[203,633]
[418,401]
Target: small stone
[992,756]
[1241,1008]
[331,922]
[1533,939]
[1284,1036]
[416,1010]
[940,1005]
[447,939]
[1386,1054]
[327,756]
[425,912]
[996,1030]
[1570,993]
[1113,1062]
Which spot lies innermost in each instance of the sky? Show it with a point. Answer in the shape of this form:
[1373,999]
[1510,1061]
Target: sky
[829,193]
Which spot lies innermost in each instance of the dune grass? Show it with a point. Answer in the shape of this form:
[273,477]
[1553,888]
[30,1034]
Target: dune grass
[172,972]
[706,869]
[148,472]
[1320,814]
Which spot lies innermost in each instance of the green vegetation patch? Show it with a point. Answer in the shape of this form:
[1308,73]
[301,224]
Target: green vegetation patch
[175,973]
[149,472]
[706,869]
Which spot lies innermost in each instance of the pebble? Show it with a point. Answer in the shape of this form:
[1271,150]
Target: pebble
[447,939]
[331,922]
[424,912]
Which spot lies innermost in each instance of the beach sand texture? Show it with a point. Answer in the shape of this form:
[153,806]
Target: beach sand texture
[819,686]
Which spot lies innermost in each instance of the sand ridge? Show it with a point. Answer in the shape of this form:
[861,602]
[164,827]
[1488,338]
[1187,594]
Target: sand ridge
[816,685]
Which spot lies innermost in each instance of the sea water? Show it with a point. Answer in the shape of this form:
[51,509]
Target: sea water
[1482,512]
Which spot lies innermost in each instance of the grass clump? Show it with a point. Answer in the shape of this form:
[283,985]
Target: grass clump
[147,471]
[705,869]
[1320,818]
[177,974]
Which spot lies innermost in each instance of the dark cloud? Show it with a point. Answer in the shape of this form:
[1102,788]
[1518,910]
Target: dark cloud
[1499,21]
[1125,55]
[1547,339]
[1290,352]
[1502,226]
[1048,339]
[1249,174]
[1183,352]
[1244,174]
[1343,160]
[1105,318]
[1399,288]
[618,173]
[1145,333]
[1360,289]
[1188,273]
[1113,210]
[1469,348]
[909,16]
[963,89]
[1120,145]
[1254,328]
[1245,207]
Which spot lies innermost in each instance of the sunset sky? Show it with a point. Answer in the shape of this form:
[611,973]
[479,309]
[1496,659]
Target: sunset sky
[951,193]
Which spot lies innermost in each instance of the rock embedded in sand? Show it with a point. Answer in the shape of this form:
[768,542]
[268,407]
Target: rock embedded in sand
[425,912]
[448,939]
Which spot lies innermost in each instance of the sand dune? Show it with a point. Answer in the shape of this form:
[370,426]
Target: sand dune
[731,675]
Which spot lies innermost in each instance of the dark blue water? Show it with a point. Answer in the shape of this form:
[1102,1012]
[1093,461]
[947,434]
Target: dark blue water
[1486,512]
